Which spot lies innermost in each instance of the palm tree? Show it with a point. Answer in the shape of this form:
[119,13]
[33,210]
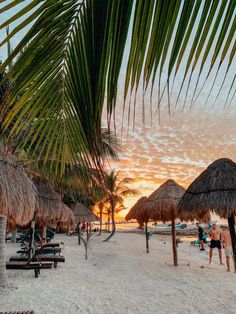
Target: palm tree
[75,50]
[100,205]
[116,190]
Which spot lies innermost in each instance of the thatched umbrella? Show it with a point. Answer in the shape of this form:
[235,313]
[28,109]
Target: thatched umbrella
[82,213]
[162,205]
[51,210]
[140,213]
[67,219]
[214,190]
[135,210]
[17,200]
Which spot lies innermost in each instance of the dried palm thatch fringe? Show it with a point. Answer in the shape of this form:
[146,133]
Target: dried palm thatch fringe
[82,213]
[17,191]
[17,201]
[213,190]
[51,210]
[67,219]
[162,203]
[135,211]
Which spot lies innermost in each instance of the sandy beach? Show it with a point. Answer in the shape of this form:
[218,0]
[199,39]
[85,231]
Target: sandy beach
[119,277]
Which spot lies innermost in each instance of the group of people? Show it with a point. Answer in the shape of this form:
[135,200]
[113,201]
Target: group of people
[220,237]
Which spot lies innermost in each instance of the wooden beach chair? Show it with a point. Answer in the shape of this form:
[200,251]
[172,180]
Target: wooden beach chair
[43,250]
[36,266]
[32,262]
[43,258]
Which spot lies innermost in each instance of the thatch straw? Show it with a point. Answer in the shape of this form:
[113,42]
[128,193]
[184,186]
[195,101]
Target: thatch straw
[51,209]
[17,191]
[213,190]
[162,203]
[67,219]
[82,213]
[136,209]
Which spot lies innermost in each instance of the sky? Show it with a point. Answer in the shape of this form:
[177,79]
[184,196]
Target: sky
[179,145]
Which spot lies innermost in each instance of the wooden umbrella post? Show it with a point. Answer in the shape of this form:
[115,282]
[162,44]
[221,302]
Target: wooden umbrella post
[146,232]
[31,242]
[14,235]
[100,231]
[87,230]
[175,258]
[231,222]
[79,236]
[43,235]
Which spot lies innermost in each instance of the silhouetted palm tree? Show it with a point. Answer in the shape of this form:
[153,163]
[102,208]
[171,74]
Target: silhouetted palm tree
[116,190]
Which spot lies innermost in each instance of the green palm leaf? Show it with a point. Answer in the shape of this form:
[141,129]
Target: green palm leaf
[61,76]
[72,54]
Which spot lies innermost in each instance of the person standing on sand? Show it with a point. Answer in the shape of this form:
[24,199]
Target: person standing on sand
[200,237]
[226,241]
[215,234]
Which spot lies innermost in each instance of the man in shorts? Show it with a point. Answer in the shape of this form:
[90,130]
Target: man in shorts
[215,234]
[226,241]
[200,236]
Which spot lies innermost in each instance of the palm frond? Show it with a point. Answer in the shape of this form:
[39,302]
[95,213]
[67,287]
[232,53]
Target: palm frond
[68,59]
[72,54]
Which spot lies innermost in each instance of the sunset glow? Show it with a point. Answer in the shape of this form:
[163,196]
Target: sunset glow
[180,148]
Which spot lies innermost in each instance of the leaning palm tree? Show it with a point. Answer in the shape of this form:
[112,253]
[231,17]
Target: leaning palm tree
[100,205]
[75,50]
[116,190]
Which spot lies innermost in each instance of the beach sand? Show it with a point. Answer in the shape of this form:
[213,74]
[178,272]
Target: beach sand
[119,277]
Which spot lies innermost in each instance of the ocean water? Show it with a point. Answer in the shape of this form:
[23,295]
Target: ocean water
[134,225]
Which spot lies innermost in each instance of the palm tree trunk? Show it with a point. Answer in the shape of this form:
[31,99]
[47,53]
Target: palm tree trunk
[113,225]
[100,231]
[108,223]
[175,258]
[13,236]
[3,271]
[231,222]
[146,234]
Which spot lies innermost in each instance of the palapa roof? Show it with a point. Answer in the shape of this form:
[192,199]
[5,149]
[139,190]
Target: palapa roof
[135,210]
[67,219]
[51,208]
[162,203]
[82,213]
[17,191]
[213,190]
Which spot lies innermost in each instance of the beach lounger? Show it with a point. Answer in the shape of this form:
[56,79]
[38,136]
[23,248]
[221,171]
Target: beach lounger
[43,258]
[54,244]
[36,266]
[43,250]
[25,236]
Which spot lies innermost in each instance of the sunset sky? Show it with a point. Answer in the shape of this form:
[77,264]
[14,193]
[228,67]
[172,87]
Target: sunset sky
[179,145]
[180,148]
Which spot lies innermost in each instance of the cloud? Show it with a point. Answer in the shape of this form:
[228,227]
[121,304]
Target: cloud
[180,147]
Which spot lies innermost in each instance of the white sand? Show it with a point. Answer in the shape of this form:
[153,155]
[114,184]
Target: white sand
[119,277]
